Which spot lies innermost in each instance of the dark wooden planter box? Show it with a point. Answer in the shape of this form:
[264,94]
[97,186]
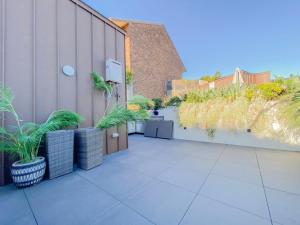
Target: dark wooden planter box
[88,147]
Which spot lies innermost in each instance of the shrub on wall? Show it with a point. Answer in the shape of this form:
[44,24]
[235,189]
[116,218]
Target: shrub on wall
[173,101]
[158,103]
[270,91]
[228,93]
[141,101]
[211,78]
[270,110]
[129,76]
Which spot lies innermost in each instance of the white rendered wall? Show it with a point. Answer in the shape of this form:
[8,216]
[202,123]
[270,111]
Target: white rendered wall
[222,137]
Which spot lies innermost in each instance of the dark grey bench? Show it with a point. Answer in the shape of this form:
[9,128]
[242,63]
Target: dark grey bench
[159,129]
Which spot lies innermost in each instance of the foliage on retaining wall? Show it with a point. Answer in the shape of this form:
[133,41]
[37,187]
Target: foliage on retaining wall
[270,110]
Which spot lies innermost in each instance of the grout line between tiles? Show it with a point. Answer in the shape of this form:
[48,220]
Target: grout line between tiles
[210,171]
[117,199]
[234,207]
[264,188]
[237,179]
[279,190]
[30,207]
[174,185]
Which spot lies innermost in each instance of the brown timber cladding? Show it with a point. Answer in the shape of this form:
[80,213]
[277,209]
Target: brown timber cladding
[37,38]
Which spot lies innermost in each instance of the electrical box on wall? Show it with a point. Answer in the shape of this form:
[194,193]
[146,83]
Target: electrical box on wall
[113,71]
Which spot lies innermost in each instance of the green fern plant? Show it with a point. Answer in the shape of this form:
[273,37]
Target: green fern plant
[141,101]
[25,138]
[100,83]
[129,76]
[119,116]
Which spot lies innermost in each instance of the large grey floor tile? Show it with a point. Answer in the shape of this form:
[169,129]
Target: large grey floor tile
[24,220]
[285,181]
[69,200]
[152,167]
[115,179]
[170,156]
[137,139]
[278,157]
[184,177]
[198,164]
[239,194]
[14,207]
[160,141]
[145,151]
[210,212]
[122,215]
[238,154]
[245,172]
[126,158]
[280,170]
[284,207]
[163,203]
[203,150]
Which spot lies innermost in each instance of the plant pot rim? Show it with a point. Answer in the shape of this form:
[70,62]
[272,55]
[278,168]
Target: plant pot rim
[88,128]
[60,131]
[20,164]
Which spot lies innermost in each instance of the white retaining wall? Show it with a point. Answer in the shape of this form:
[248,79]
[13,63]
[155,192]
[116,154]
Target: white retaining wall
[222,137]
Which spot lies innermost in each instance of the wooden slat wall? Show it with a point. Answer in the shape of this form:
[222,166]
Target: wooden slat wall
[2,48]
[67,54]
[122,130]
[98,54]
[37,38]
[46,60]
[84,65]
[110,46]
[19,71]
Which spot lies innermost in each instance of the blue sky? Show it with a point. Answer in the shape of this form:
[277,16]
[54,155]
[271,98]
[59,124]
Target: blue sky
[211,35]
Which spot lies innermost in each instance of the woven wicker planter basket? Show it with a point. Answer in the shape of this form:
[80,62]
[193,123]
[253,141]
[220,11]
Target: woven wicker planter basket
[28,174]
[88,147]
[59,151]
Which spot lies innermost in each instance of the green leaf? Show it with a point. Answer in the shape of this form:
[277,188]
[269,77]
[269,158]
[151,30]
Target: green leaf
[120,115]
[100,83]
[141,101]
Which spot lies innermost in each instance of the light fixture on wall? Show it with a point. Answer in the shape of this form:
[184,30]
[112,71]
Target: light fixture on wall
[68,70]
[115,135]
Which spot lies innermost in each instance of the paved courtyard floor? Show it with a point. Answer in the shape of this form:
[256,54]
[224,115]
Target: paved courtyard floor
[166,182]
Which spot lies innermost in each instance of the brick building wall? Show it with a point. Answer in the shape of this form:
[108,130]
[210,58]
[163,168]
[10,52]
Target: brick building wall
[181,87]
[224,82]
[151,56]
[256,78]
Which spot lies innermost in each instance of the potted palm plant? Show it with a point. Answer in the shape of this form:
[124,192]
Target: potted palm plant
[24,139]
[139,103]
[89,141]
[120,114]
[158,104]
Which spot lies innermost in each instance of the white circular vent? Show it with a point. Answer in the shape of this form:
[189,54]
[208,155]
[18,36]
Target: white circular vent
[68,70]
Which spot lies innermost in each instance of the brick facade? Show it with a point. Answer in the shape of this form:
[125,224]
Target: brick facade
[151,56]
[181,87]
